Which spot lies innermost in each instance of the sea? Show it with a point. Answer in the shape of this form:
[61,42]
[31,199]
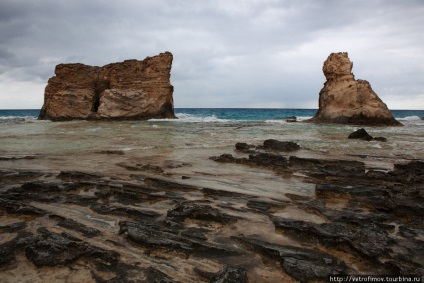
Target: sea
[182,147]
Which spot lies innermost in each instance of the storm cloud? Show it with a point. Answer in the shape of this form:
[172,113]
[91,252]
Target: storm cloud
[257,53]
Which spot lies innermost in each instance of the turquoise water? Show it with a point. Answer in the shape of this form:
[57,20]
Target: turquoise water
[216,114]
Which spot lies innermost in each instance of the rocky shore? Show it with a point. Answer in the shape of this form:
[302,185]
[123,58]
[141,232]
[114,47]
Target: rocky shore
[81,227]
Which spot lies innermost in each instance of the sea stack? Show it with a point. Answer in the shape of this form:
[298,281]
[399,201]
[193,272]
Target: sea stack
[344,100]
[132,89]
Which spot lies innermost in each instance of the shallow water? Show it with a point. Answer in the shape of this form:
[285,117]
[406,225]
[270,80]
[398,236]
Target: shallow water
[182,147]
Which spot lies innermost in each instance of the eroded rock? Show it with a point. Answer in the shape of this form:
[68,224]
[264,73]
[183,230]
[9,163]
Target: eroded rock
[344,100]
[200,212]
[230,274]
[276,145]
[300,263]
[51,249]
[127,90]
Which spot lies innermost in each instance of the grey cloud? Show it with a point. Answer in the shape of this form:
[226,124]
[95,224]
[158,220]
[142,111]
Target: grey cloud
[226,53]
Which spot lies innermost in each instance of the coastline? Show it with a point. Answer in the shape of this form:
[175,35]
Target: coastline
[136,204]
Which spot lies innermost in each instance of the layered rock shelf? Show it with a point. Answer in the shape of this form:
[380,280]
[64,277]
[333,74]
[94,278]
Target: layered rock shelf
[131,89]
[344,100]
[83,227]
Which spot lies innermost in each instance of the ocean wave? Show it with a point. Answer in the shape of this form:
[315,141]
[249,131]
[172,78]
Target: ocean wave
[17,119]
[198,146]
[409,118]
[190,118]
[183,117]
[287,120]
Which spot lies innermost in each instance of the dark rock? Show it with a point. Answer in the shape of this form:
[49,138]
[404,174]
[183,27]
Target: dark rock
[310,166]
[169,186]
[151,234]
[13,228]
[404,202]
[38,187]
[168,235]
[275,145]
[12,158]
[225,158]
[124,211]
[51,249]
[329,190]
[221,193]
[259,205]
[244,147]
[342,168]
[230,274]
[195,233]
[75,226]
[9,249]
[360,134]
[18,176]
[412,172]
[77,176]
[80,200]
[382,139]
[155,276]
[368,239]
[142,167]
[13,207]
[300,263]
[270,144]
[268,160]
[127,195]
[117,152]
[200,212]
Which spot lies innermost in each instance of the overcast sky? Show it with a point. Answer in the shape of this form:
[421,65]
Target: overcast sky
[227,53]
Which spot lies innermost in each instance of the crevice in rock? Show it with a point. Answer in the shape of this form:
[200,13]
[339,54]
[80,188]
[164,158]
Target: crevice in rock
[99,87]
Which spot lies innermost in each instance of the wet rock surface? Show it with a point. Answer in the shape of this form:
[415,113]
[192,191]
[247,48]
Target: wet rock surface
[268,145]
[302,264]
[155,229]
[230,274]
[362,134]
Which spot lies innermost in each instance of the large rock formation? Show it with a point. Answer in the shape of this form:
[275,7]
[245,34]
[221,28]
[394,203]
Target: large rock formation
[131,89]
[345,100]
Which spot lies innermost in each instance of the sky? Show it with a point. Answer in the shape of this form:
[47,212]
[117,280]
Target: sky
[227,53]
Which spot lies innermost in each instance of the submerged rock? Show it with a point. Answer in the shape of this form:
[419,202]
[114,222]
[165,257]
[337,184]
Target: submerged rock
[344,100]
[127,90]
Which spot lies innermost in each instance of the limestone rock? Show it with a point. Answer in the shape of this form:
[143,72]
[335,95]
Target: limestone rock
[131,89]
[344,100]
